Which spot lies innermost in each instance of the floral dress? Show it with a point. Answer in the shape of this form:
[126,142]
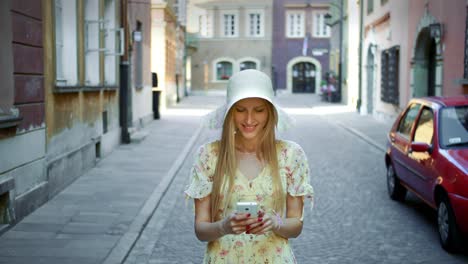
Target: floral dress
[250,248]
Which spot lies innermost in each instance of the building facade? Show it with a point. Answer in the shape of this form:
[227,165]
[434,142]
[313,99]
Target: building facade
[301,45]
[437,49]
[23,162]
[412,49]
[232,36]
[139,53]
[384,53]
[164,35]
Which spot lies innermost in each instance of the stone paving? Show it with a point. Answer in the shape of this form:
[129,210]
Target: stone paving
[131,207]
[354,221]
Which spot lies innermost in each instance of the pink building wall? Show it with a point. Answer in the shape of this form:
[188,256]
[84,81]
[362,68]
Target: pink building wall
[452,15]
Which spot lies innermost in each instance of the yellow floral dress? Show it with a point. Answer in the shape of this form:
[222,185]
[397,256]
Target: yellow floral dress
[249,248]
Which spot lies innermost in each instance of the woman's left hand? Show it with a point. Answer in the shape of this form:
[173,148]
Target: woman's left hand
[265,223]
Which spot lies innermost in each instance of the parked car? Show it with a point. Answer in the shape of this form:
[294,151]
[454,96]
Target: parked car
[427,153]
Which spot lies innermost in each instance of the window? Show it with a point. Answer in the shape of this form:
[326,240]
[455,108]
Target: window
[255,24]
[66,43]
[245,65]
[113,47]
[320,29]
[97,27]
[425,128]
[454,126]
[92,48]
[223,70]
[406,123]
[389,91]
[205,25]
[370,6]
[229,24]
[295,24]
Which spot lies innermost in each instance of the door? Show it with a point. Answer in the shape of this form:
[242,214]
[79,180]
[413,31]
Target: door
[303,77]
[401,143]
[421,163]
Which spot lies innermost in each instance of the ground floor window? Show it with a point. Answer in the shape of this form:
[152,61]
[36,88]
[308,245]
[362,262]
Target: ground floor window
[245,65]
[223,70]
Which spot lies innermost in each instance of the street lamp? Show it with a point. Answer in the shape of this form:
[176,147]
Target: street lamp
[340,59]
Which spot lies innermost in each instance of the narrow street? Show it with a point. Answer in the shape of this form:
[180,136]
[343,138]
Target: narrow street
[354,221]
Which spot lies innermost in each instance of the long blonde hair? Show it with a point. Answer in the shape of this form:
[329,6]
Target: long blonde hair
[226,165]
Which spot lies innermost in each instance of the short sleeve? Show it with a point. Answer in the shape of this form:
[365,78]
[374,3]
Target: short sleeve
[297,173]
[202,171]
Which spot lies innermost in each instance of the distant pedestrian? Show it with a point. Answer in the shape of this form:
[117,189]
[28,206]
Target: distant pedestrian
[250,165]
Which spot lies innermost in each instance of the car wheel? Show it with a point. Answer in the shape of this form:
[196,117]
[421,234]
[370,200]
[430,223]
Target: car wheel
[396,191]
[448,230]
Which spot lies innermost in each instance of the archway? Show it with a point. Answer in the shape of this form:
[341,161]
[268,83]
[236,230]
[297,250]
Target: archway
[303,78]
[427,62]
[304,73]
[424,65]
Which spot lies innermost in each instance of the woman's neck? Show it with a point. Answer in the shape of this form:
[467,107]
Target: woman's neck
[248,146]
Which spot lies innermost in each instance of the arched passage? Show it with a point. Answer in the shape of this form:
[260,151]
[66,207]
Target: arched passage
[303,74]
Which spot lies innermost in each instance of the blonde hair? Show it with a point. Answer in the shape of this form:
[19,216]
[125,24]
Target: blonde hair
[226,165]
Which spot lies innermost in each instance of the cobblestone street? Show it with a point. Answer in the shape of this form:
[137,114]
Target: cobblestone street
[354,221]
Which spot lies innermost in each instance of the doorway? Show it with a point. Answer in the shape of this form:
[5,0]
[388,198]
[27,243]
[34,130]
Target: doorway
[424,69]
[303,77]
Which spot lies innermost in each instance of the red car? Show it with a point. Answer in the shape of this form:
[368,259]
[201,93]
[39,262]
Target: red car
[427,153]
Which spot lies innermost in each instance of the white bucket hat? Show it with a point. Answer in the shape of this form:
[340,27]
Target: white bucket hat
[248,84]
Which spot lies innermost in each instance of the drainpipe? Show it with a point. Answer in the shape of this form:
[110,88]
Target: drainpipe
[361,39]
[340,60]
[124,77]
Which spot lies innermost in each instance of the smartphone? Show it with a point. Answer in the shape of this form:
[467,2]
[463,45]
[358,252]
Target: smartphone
[248,208]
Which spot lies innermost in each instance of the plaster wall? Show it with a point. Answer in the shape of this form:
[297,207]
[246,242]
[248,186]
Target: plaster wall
[142,96]
[452,16]
[386,33]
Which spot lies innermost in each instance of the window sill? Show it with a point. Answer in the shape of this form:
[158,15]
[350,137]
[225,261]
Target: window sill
[9,121]
[77,89]
[462,81]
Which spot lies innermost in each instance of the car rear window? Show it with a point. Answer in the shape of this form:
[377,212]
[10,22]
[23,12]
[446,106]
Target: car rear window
[454,126]
[406,123]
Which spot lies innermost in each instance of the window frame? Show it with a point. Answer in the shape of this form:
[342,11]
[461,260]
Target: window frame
[403,118]
[417,124]
[215,69]
[320,22]
[235,15]
[205,24]
[248,23]
[66,74]
[292,24]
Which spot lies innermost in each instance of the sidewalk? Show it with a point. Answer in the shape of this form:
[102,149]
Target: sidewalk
[98,218]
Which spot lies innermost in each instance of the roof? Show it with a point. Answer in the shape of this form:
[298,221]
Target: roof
[448,100]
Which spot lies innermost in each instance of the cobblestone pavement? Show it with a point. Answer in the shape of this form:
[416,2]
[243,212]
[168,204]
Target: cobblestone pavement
[354,221]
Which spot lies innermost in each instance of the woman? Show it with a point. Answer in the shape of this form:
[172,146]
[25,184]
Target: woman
[249,164]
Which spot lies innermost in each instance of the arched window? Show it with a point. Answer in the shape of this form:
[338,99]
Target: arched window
[223,70]
[245,65]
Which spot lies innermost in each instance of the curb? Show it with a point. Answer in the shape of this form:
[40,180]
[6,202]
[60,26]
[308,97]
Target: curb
[362,136]
[121,251]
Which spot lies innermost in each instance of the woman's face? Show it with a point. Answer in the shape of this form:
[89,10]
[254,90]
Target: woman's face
[250,117]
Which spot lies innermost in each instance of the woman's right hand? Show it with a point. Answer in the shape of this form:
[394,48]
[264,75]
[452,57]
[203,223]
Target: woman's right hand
[236,223]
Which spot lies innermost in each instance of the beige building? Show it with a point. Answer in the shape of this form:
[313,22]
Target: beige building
[167,49]
[232,36]
[384,35]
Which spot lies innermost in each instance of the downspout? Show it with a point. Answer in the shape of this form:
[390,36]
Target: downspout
[361,39]
[124,74]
